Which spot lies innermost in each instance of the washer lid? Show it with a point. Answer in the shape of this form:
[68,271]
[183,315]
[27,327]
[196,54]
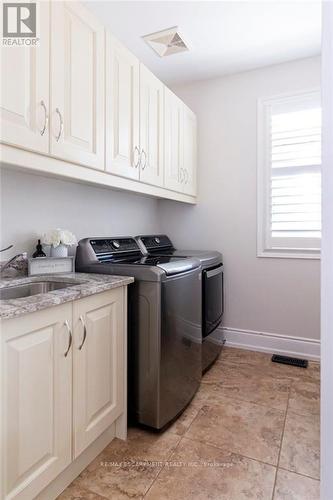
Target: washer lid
[166,263]
[172,265]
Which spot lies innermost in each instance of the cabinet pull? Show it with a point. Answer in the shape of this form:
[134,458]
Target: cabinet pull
[61,128]
[145,162]
[46,117]
[84,333]
[187,176]
[70,338]
[136,163]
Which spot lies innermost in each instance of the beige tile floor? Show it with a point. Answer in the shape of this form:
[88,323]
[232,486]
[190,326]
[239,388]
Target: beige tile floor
[251,432]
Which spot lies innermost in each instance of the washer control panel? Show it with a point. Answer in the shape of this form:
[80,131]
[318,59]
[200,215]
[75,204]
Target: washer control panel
[114,245]
[156,242]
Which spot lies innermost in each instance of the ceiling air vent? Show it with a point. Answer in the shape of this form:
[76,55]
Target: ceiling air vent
[166,42]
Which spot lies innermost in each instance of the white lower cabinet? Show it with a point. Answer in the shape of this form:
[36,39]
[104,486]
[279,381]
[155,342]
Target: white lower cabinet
[37,400]
[62,386]
[98,398]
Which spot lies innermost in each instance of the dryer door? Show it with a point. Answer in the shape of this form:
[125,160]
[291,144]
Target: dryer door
[212,299]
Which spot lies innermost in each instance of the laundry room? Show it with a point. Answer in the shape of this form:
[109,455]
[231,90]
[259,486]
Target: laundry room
[166,239]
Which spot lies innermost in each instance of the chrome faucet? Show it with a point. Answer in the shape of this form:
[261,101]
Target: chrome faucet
[7,264]
[7,248]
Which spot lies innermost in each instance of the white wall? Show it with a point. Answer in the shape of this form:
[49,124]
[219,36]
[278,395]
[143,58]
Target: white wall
[326,445]
[280,296]
[31,204]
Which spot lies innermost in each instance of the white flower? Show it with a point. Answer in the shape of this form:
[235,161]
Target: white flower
[67,238]
[57,237]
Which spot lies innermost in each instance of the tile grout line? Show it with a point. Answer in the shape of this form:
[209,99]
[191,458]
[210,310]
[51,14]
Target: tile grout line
[281,442]
[94,493]
[239,400]
[182,435]
[197,415]
[173,452]
[227,450]
[163,466]
[298,474]
[288,379]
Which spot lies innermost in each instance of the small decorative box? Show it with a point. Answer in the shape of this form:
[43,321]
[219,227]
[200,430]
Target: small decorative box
[50,265]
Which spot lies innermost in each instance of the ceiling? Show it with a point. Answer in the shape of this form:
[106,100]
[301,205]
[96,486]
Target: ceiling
[224,37]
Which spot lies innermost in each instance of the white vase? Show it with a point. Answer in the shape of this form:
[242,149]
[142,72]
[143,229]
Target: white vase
[59,251]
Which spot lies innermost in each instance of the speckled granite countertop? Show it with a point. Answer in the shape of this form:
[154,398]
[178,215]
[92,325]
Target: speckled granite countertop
[83,286]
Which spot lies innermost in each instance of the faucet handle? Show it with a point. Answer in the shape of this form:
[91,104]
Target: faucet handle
[7,248]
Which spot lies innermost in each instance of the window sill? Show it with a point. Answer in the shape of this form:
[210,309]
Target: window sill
[280,253]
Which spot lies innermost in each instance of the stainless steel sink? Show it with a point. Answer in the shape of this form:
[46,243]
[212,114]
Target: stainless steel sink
[32,288]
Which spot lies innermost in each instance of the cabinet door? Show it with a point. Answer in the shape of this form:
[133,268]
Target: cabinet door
[173,142]
[77,83]
[151,127]
[190,152]
[98,398]
[37,400]
[25,90]
[122,110]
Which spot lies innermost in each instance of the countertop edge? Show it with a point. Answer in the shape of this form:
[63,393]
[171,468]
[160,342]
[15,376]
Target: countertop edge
[89,284]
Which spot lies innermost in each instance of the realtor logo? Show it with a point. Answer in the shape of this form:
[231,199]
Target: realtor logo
[19,24]
[19,20]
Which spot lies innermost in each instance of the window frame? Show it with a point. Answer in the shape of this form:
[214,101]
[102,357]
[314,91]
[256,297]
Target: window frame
[265,245]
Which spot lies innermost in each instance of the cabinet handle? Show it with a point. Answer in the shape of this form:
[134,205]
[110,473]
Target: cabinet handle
[136,163]
[61,124]
[84,333]
[70,338]
[145,162]
[187,176]
[46,117]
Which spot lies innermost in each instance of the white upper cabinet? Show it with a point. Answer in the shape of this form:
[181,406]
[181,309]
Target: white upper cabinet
[25,90]
[151,128]
[173,141]
[82,99]
[36,383]
[77,83]
[122,110]
[180,146]
[190,152]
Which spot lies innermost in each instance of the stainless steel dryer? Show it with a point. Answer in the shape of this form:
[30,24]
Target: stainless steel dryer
[164,340]
[212,290]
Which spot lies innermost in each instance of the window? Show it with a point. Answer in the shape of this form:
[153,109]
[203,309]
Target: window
[289,176]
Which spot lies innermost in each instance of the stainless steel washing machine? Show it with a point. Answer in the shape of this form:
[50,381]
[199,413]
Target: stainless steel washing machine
[164,338]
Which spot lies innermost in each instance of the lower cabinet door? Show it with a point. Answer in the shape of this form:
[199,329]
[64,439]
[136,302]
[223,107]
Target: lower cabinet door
[98,369]
[36,400]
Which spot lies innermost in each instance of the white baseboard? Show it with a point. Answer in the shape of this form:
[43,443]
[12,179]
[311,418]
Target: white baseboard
[272,343]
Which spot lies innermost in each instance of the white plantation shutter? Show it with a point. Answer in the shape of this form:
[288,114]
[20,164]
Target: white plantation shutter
[290,167]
